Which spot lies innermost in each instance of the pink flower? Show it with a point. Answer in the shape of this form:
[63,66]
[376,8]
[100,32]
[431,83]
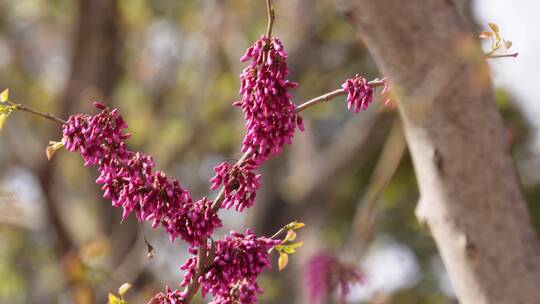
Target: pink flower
[270,115]
[359,93]
[240,184]
[96,137]
[128,179]
[326,273]
[169,297]
[232,275]
[123,180]
[241,292]
[194,222]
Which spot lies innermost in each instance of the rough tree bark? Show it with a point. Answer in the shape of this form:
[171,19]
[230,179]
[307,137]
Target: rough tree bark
[470,195]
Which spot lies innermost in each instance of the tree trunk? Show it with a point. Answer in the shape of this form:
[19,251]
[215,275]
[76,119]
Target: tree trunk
[470,195]
[93,71]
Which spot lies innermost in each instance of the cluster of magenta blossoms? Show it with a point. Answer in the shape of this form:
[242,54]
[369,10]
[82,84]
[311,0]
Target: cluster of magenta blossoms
[326,273]
[359,93]
[232,275]
[270,115]
[242,292]
[240,184]
[169,297]
[128,179]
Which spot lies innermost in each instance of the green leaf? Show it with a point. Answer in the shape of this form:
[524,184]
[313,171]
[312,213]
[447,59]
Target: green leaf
[291,236]
[288,250]
[495,28]
[4,96]
[295,225]
[296,245]
[115,300]
[283,261]
[279,248]
[6,109]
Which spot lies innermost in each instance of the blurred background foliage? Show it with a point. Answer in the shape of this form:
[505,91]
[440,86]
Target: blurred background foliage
[172,67]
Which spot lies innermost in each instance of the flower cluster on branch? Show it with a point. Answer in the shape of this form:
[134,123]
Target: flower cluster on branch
[169,297]
[240,184]
[128,179]
[232,274]
[227,269]
[270,115]
[359,93]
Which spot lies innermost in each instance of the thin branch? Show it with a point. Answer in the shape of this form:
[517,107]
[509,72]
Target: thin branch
[322,98]
[489,56]
[493,49]
[193,286]
[271,17]
[280,232]
[20,107]
[332,95]
[325,97]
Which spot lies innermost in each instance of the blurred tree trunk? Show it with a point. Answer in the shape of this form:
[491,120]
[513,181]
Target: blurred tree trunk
[470,194]
[92,76]
[93,71]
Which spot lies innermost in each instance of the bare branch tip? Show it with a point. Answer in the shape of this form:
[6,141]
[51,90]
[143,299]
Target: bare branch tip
[513,55]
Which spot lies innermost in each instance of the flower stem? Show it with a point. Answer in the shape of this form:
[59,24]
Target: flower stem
[203,257]
[489,56]
[331,95]
[325,97]
[271,17]
[193,286]
[21,107]
[279,232]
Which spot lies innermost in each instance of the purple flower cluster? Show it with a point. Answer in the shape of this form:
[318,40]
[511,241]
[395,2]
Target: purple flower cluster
[232,275]
[240,184]
[128,179]
[241,292]
[270,115]
[325,273]
[195,222]
[359,93]
[98,137]
[169,297]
